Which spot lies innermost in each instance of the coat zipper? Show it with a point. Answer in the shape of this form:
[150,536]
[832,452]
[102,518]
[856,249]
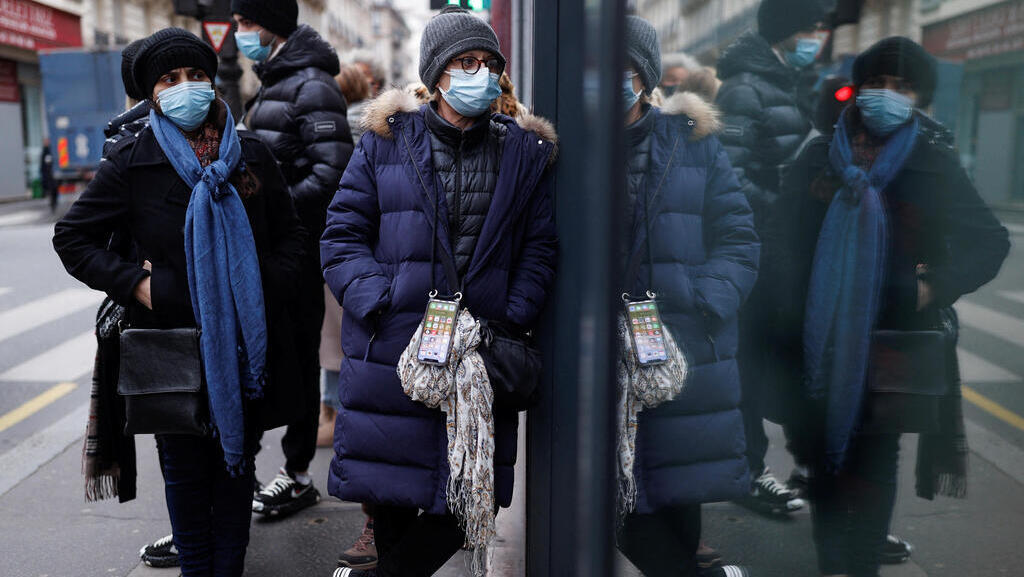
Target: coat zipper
[457,209]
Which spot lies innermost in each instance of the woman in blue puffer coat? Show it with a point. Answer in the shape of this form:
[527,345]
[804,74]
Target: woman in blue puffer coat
[451,184]
[693,243]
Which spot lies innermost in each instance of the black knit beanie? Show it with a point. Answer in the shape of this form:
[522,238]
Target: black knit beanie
[899,56]
[166,50]
[279,16]
[644,51]
[449,34]
[127,56]
[780,19]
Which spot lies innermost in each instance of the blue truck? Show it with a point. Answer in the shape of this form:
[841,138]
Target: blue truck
[83,91]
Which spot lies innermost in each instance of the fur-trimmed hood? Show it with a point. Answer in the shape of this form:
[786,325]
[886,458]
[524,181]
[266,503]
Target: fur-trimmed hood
[394,101]
[706,118]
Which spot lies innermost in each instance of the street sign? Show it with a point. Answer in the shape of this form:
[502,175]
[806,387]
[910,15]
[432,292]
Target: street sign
[217,32]
[475,5]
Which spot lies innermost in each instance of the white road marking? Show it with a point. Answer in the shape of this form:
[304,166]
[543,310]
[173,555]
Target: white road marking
[49,308]
[26,457]
[1016,296]
[974,369]
[4,290]
[1014,228]
[68,361]
[20,217]
[992,322]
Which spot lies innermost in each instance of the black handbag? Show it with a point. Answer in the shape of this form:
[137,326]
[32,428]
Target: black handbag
[161,380]
[513,366]
[908,375]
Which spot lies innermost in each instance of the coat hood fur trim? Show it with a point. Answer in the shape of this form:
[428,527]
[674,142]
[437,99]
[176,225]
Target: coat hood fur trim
[396,100]
[543,128]
[704,114]
[389,103]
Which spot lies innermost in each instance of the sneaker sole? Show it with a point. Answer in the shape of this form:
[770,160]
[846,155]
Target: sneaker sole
[160,562]
[282,511]
[357,566]
[783,510]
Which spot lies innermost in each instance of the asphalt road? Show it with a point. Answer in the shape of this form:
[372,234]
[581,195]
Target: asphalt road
[47,529]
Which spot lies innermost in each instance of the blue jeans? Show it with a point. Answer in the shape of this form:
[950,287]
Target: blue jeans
[210,510]
[329,388]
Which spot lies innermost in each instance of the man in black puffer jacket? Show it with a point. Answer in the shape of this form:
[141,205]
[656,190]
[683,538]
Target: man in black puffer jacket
[300,114]
[764,128]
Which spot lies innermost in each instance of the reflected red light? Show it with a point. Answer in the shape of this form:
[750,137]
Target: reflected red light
[845,93]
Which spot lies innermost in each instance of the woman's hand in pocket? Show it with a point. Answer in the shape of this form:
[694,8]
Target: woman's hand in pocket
[143,293]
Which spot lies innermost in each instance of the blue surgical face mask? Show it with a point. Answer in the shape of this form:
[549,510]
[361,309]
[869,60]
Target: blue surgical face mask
[806,52]
[884,111]
[250,45]
[629,97]
[187,104]
[471,94]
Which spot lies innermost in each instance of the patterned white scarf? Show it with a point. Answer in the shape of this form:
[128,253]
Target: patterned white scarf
[462,390]
[641,388]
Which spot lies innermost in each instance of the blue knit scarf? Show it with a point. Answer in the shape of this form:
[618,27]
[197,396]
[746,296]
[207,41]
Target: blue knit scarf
[845,290]
[224,282]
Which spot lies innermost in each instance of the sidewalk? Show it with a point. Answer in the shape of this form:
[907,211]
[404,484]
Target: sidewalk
[51,530]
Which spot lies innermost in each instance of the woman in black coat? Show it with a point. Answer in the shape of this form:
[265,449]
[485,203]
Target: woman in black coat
[138,189]
[937,241]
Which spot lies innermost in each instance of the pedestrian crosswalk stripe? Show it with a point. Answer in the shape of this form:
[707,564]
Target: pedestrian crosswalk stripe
[4,290]
[1014,228]
[1016,296]
[20,217]
[995,323]
[974,369]
[68,361]
[49,308]
[34,405]
[993,408]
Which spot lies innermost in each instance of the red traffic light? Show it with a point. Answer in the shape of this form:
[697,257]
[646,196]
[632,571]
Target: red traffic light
[845,93]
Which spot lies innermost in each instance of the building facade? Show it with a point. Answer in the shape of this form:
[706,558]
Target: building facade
[981,47]
[26,28]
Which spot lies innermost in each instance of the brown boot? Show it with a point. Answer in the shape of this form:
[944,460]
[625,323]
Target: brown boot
[363,553]
[325,433]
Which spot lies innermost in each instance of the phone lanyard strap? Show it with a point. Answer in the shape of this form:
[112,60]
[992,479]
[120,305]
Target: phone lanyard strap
[650,199]
[450,271]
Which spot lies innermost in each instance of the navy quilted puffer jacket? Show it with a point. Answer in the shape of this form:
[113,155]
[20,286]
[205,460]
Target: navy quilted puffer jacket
[705,254]
[376,254]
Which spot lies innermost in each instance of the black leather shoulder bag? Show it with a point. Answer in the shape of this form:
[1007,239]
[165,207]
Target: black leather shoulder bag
[161,380]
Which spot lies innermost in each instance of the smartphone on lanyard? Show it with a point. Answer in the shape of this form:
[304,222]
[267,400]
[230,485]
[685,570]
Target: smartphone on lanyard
[647,330]
[438,330]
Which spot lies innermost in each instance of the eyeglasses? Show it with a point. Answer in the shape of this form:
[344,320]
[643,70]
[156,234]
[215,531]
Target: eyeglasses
[472,65]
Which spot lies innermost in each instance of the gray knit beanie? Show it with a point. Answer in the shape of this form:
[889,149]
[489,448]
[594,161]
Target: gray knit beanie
[643,50]
[449,34]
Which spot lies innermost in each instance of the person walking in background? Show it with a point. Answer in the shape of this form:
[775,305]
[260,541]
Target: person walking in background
[441,196]
[688,215]
[301,114]
[225,185]
[764,128]
[676,67]
[923,238]
[46,180]
[355,88]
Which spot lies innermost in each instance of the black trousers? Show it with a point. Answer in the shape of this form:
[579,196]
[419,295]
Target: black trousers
[299,441]
[410,544]
[663,543]
[851,511]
